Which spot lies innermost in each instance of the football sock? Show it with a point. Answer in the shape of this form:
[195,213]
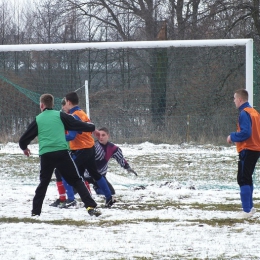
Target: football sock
[61,190]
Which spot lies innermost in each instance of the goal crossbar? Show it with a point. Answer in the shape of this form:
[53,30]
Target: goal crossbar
[248,43]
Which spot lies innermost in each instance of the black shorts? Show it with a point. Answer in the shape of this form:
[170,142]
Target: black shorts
[246,167]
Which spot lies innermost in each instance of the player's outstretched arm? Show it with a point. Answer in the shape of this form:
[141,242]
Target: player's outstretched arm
[70,123]
[132,171]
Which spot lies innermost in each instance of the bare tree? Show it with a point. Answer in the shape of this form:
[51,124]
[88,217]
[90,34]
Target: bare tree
[7,23]
[134,74]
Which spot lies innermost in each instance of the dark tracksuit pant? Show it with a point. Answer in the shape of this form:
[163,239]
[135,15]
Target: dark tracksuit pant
[246,166]
[57,175]
[85,159]
[68,170]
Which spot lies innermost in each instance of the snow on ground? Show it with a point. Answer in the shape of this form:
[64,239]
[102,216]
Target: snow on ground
[169,211]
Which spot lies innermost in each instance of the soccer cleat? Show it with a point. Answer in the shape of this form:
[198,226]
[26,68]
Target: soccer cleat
[110,202]
[56,203]
[93,211]
[252,211]
[243,215]
[68,204]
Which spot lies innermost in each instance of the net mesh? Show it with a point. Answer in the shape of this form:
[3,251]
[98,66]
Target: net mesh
[167,95]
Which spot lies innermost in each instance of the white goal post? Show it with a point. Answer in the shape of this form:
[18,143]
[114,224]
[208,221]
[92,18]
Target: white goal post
[248,43]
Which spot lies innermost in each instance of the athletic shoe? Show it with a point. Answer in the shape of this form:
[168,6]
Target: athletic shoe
[68,204]
[252,211]
[62,204]
[243,215]
[110,202]
[93,211]
[56,203]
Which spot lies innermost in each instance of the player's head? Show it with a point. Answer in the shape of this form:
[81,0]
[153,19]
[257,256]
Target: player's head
[63,105]
[73,98]
[104,135]
[240,97]
[46,101]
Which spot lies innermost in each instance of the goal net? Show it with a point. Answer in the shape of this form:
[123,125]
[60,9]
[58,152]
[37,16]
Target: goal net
[157,91]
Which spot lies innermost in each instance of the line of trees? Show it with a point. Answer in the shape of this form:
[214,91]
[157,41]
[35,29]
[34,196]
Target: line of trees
[52,21]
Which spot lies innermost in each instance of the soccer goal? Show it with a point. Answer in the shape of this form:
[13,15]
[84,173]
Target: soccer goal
[159,91]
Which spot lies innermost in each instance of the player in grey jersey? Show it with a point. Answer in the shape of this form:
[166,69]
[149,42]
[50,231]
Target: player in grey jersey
[104,150]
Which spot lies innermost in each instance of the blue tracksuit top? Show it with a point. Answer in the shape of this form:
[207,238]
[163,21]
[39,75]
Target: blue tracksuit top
[245,124]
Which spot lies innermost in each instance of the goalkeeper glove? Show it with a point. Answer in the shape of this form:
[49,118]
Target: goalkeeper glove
[131,170]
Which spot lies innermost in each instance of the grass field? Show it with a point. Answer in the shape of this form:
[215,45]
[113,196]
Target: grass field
[180,206]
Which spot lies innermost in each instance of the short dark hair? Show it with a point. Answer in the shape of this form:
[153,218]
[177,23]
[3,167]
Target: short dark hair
[47,100]
[104,129]
[242,93]
[73,98]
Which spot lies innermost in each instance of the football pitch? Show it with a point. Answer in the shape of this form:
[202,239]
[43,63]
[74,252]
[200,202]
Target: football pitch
[180,206]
